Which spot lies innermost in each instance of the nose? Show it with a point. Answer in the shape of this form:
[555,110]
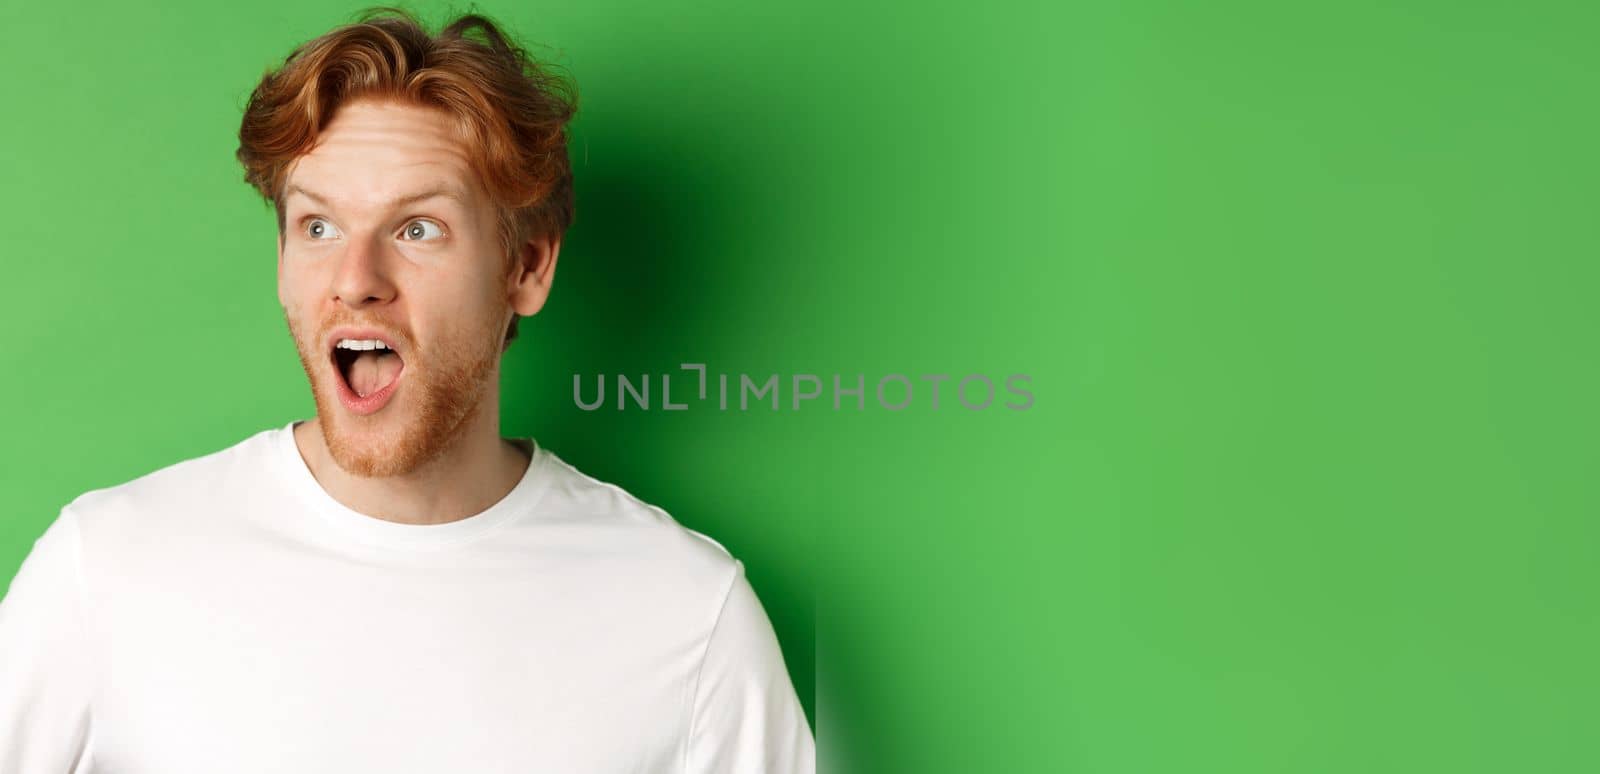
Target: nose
[362,278]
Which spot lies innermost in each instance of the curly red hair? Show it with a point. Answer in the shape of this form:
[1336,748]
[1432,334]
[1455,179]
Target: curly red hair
[514,109]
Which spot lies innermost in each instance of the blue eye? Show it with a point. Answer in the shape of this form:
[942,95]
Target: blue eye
[420,230]
[317,228]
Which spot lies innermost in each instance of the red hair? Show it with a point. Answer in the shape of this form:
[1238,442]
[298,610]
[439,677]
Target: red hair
[512,109]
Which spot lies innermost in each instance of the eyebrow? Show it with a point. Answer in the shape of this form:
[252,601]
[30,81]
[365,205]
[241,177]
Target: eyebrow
[439,191]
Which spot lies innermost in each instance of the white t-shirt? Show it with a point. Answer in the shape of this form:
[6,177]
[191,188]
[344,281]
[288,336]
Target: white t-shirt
[226,614]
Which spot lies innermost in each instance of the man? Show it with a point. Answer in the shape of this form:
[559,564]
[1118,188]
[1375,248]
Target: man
[391,586]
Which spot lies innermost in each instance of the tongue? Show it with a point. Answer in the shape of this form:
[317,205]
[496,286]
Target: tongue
[373,370]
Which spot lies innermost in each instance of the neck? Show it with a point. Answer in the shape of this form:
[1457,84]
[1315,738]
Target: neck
[473,474]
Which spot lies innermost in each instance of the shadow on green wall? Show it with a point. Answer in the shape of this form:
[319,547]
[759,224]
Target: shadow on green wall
[626,288]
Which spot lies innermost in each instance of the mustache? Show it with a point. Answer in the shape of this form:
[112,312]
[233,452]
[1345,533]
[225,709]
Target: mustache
[345,318]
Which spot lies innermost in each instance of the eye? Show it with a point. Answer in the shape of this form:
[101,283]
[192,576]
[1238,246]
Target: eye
[317,228]
[419,230]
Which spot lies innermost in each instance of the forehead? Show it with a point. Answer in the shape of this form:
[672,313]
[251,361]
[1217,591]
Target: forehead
[374,152]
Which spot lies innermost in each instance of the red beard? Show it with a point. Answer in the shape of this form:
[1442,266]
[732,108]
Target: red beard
[441,393]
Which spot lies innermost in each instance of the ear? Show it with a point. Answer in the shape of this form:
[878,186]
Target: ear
[532,273]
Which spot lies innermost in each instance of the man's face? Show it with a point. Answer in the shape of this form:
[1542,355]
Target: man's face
[388,235]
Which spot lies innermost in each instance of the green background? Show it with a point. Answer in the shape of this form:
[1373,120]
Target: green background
[1306,294]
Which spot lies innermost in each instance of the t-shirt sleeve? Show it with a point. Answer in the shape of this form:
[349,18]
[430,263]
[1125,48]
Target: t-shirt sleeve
[746,717]
[44,680]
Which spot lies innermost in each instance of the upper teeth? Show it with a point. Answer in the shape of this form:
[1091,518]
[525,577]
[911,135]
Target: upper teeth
[361,344]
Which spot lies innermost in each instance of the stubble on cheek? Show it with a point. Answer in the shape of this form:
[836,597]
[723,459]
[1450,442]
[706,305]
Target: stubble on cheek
[450,397]
[317,374]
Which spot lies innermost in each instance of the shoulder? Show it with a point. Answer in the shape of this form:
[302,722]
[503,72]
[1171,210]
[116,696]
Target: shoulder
[167,494]
[624,526]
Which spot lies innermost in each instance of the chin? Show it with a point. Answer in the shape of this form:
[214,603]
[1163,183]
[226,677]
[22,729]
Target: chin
[374,446]
[366,462]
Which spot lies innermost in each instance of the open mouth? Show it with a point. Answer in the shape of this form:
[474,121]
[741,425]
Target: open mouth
[367,366]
